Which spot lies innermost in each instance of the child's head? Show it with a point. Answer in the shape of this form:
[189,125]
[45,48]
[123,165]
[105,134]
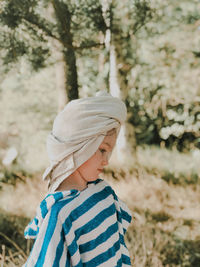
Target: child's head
[91,168]
[79,131]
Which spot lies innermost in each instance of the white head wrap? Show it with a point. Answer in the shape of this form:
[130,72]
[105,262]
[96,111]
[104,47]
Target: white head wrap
[78,131]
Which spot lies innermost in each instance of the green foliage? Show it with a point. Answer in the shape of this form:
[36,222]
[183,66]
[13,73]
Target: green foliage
[157,46]
[181,253]
[14,11]
[33,23]
[21,33]
[86,15]
[180,178]
[14,248]
[142,13]
[29,26]
[12,176]
[156,120]
[161,216]
[14,49]
[13,227]
[127,17]
[163,75]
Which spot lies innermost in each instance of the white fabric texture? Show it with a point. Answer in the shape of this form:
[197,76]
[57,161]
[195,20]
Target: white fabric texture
[78,131]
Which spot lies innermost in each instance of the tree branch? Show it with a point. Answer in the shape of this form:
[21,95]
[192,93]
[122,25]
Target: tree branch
[88,46]
[40,26]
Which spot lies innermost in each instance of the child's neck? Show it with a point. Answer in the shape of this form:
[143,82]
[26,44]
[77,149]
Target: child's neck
[74,181]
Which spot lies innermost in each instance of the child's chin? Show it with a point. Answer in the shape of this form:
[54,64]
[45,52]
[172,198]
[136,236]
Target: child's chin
[94,178]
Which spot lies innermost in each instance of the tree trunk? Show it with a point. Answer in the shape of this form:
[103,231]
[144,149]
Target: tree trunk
[123,147]
[129,131]
[60,75]
[63,17]
[123,151]
[71,74]
[61,85]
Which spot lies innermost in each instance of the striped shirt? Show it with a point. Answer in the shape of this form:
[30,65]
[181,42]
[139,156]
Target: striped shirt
[80,228]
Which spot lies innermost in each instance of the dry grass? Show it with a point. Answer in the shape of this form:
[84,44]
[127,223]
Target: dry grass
[165,230]
[164,216]
[28,195]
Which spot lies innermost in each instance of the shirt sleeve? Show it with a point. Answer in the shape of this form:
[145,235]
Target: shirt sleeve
[125,215]
[49,248]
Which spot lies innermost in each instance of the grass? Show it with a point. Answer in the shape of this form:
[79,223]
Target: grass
[166,219]
[162,190]
[165,230]
[14,248]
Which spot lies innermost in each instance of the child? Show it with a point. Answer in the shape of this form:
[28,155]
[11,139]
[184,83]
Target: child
[81,222]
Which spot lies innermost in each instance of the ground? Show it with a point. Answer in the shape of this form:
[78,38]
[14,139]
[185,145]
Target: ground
[162,190]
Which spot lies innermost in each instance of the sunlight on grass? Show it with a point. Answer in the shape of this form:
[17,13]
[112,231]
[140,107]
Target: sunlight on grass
[165,230]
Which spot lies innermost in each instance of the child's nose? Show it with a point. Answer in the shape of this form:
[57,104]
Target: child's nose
[105,160]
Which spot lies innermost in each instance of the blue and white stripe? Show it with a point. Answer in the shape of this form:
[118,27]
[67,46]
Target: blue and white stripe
[80,228]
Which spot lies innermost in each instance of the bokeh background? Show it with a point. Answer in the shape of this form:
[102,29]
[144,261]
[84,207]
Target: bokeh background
[145,52]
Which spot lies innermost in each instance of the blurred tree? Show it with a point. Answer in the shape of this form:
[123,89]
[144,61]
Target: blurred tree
[38,29]
[123,20]
[163,77]
[64,28]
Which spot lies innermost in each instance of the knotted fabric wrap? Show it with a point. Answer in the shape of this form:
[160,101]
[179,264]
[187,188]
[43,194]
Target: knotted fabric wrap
[78,131]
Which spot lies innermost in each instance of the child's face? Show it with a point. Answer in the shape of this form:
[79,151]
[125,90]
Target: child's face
[91,169]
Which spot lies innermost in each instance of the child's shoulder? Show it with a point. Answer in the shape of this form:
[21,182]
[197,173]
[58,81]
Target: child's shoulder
[99,185]
[99,182]
[66,201]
